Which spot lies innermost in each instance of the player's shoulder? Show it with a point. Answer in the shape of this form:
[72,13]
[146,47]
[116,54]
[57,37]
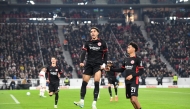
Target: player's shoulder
[138,59]
[103,41]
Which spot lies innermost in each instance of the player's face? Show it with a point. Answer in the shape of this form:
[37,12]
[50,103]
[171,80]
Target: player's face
[53,60]
[130,49]
[94,33]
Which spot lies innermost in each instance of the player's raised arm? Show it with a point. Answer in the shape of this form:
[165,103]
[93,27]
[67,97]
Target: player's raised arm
[140,68]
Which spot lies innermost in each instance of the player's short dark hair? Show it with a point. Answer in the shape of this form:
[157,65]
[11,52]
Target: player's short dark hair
[43,67]
[134,45]
[95,29]
[54,57]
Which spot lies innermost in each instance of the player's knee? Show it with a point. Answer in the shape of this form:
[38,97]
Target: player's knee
[109,85]
[51,93]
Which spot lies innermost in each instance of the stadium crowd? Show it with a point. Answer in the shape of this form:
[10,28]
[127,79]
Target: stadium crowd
[77,35]
[123,2]
[162,14]
[22,16]
[20,51]
[173,41]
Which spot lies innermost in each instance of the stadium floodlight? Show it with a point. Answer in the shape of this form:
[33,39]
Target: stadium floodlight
[174,17]
[89,21]
[33,18]
[32,2]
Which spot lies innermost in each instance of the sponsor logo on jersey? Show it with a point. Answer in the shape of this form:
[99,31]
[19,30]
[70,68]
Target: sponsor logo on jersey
[99,43]
[94,48]
[128,67]
[132,61]
[53,73]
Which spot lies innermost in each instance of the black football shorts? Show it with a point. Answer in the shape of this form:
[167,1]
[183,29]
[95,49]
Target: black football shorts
[91,69]
[131,90]
[54,86]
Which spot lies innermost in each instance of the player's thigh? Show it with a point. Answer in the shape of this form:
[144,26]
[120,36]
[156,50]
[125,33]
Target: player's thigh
[128,91]
[56,86]
[109,80]
[97,72]
[51,87]
[134,89]
[88,70]
[97,76]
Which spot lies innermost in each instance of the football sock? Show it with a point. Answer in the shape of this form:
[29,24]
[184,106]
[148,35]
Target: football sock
[56,98]
[83,89]
[109,89]
[115,91]
[96,90]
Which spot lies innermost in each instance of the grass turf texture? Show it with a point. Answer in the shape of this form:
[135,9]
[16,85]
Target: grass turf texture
[162,98]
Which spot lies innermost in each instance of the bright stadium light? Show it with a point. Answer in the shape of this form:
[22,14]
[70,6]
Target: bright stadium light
[32,2]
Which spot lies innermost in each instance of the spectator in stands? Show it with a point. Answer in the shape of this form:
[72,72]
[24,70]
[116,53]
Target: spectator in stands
[159,79]
[12,85]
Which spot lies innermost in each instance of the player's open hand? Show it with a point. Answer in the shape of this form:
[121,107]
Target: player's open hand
[129,77]
[81,64]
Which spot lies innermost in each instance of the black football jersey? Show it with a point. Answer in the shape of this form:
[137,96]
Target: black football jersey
[132,65]
[53,73]
[96,50]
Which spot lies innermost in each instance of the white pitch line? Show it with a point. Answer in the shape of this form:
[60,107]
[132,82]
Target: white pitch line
[166,91]
[7,103]
[16,101]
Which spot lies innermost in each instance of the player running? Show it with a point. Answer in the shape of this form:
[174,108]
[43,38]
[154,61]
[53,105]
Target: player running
[133,68]
[96,60]
[112,80]
[52,77]
[42,82]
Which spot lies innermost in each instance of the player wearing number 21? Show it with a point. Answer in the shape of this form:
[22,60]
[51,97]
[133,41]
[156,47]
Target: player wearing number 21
[132,68]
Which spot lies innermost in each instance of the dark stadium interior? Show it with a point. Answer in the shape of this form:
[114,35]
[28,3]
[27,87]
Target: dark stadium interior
[29,36]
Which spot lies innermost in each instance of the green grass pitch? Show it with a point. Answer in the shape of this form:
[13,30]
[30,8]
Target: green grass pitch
[158,98]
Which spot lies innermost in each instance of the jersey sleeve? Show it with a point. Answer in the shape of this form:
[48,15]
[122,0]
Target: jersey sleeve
[85,46]
[59,71]
[123,65]
[140,68]
[105,47]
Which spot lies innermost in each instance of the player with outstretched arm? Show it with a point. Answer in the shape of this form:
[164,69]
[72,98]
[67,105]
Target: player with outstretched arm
[133,68]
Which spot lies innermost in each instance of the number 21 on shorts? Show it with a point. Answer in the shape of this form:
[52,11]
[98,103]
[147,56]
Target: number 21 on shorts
[133,89]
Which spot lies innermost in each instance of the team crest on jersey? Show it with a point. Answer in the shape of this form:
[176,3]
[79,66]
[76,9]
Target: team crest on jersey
[99,43]
[56,70]
[132,61]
